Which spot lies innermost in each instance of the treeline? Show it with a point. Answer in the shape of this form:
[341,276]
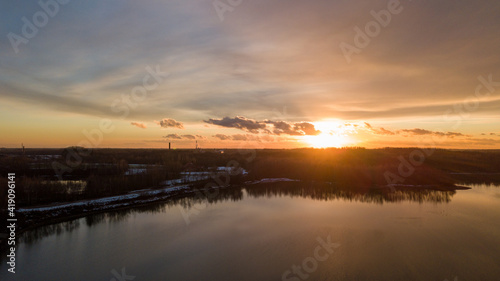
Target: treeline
[364,167]
[38,191]
[104,170]
[108,161]
[100,186]
[357,168]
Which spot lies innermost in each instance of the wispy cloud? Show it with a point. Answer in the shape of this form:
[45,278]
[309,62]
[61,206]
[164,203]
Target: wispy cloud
[170,123]
[420,132]
[173,137]
[244,137]
[139,125]
[222,137]
[378,131]
[184,137]
[265,55]
[239,64]
[412,132]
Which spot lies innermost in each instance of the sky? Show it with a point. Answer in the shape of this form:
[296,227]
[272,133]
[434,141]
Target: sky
[250,74]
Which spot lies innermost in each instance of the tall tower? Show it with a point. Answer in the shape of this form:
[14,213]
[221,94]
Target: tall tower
[169,146]
[196,145]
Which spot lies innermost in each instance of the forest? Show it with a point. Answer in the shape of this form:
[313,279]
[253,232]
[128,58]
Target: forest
[107,172]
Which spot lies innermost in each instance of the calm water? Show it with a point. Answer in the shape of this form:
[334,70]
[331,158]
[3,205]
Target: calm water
[259,233]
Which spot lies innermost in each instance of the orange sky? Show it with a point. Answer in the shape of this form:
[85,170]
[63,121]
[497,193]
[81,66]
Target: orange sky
[279,74]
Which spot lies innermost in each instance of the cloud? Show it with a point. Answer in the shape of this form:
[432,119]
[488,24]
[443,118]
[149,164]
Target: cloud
[274,66]
[222,137]
[266,127]
[378,131]
[451,134]
[244,137]
[281,127]
[421,132]
[478,141]
[412,132]
[139,125]
[292,129]
[173,137]
[189,137]
[307,128]
[271,52]
[417,132]
[170,123]
[238,122]
[240,137]
[184,137]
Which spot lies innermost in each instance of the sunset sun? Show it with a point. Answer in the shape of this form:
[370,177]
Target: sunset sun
[333,134]
[325,140]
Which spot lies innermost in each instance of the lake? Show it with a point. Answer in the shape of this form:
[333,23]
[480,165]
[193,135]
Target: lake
[281,231]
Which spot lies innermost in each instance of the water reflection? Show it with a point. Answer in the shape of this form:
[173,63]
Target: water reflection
[325,191]
[38,233]
[257,232]
[315,191]
[32,236]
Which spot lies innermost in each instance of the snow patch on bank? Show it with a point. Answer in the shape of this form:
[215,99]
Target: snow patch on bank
[271,180]
[111,202]
[132,198]
[189,177]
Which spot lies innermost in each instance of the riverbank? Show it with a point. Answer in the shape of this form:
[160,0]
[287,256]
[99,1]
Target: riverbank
[36,216]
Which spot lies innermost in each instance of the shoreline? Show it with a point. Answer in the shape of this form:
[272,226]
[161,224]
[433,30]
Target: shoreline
[42,215]
[34,217]
[73,214]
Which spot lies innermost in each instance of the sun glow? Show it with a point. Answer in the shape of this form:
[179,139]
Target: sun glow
[333,134]
[324,140]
